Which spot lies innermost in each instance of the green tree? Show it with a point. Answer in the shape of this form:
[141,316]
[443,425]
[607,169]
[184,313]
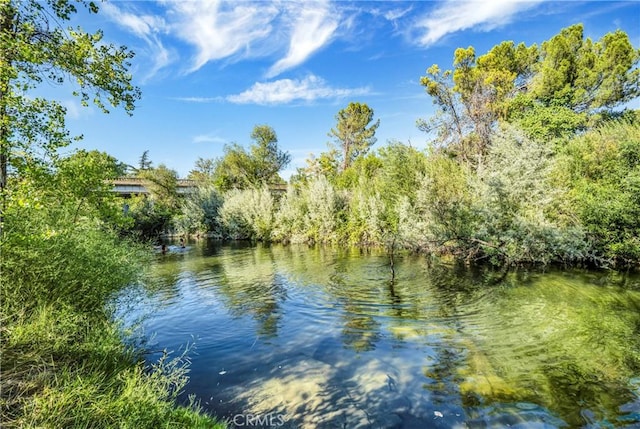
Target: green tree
[550,91]
[84,178]
[162,184]
[326,164]
[242,169]
[154,213]
[35,48]
[144,163]
[203,171]
[576,82]
[602,170]
[353,133]
[267,159]
[584,75]
[471,97]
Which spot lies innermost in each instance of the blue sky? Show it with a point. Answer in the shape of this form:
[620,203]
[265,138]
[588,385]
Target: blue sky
[210,71]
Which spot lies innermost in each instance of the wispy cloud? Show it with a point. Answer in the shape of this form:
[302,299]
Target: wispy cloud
[313,27]
[208,138]
[219,29]
[148,28]
[231,30]
[199,99]
[285,91]
[142,25]
[455,15]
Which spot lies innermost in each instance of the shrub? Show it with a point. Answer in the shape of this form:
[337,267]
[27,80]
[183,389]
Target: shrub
[248,213]
[199,212]
[602,167]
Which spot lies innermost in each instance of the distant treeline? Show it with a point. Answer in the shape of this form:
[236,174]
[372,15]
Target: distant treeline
[533,159]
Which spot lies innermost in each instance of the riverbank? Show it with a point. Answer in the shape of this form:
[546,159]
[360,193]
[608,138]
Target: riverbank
[65,361]
[61,368]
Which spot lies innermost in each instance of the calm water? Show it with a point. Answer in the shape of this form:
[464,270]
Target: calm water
[327,338]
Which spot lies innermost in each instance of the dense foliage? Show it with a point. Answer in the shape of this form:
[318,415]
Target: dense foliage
[530,162]
[64,359]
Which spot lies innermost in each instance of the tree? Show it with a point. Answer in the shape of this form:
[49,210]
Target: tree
[260,165]
[550,91]
[584,75]
[34,48]
[351,133]
[83,180]
[162,183]
[144,163]
[602,170]
[266,158]
[471,97]
[203,171]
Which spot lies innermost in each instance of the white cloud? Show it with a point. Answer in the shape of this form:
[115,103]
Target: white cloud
[287,90]
[199,99]
[456,15]
[140,25]
[395,14]
[231,30]
[313,27]
[220,29]
[146,27]
[208,138]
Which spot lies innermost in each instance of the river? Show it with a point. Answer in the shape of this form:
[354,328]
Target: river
[299,337]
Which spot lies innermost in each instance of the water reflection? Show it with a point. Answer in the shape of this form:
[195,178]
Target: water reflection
[329,338]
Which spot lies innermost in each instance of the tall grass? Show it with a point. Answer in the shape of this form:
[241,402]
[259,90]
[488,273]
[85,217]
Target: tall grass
[65,362]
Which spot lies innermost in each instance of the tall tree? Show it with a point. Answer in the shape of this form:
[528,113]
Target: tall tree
[584,75]
[144,163]
[267,158]
[162,183]
[471,97]
[203,171]
[353,134]
[550,91]
[35,48]
[242,169]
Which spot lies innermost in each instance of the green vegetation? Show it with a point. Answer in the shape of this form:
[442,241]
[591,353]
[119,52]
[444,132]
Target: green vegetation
[351,133]
[65,361]
[532,162]
[239,169]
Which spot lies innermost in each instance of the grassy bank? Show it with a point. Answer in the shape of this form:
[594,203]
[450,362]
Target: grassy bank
[65,361]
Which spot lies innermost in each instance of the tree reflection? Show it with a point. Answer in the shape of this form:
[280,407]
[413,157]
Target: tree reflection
[488,338]
[248,284]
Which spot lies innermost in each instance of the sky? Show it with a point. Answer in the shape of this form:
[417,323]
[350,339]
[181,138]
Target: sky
[210,71]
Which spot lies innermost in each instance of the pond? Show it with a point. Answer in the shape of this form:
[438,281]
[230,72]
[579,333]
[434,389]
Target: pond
[299,337]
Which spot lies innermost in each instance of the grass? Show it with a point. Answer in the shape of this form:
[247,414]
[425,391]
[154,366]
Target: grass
[61,368]
[64,362]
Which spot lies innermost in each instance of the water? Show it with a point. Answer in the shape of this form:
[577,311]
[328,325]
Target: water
[304,337]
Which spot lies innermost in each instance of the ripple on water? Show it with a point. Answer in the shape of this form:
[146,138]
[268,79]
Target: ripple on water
[329,338]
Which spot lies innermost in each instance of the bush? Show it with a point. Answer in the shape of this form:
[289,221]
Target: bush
[199,212]
[514,199]
[311,214]
[64,363]
[248,213]
[602,167]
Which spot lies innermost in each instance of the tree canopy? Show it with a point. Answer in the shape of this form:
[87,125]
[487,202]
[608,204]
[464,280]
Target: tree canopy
[36,48]
[353,134]
[241,169]
[550,91]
